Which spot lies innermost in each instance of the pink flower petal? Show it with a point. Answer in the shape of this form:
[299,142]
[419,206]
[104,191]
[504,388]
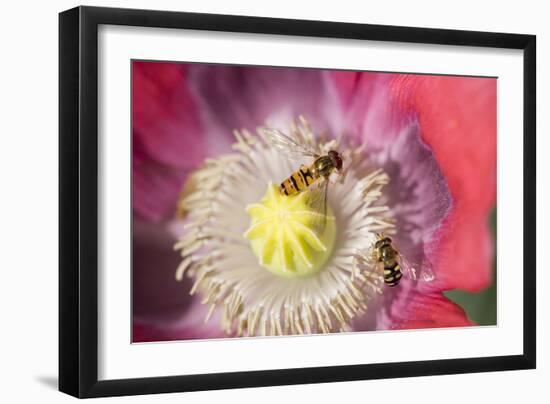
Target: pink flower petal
[346,85]
[162,308]
[236,97]
[190,325]
[155,186]
[407,306]
[165,116]
[156,296]
[430,311]
[417,193]
[364,109]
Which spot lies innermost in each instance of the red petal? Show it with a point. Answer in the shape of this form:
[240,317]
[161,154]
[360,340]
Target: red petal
[458,120]
[464,254]
[431,311]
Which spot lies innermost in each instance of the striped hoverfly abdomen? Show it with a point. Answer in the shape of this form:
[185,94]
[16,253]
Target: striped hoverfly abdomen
[387,256]
[298,181]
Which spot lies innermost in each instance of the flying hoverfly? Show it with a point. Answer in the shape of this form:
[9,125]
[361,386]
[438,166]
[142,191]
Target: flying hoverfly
[385,256]
[314,177]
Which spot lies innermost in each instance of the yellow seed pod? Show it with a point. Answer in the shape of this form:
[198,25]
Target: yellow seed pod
[284,234]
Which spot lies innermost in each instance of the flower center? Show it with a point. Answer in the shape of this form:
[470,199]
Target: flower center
[291,276]
[290,238]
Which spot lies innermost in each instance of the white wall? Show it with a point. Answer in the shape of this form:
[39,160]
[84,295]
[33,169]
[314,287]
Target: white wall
[28,202]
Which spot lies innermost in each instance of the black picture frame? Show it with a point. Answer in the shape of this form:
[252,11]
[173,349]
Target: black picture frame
[78,200]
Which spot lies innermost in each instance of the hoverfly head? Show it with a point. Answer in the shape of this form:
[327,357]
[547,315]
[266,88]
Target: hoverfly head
[336,159]
[382,239]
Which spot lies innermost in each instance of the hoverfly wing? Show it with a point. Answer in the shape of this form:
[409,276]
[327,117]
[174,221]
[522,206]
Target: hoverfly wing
[286,144]
[365,262]
[427,273]
[371,257]
[417,272]
[318,202]
[409,269]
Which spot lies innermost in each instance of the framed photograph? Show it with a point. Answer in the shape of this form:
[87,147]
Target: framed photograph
[251,201]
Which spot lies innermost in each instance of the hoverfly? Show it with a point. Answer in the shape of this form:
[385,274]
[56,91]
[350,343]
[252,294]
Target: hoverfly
[314,177]
[385,256]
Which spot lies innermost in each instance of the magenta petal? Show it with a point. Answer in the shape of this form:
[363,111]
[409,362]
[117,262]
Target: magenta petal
[417,192]
[189,325]
[345,85]
[366,111]
[407,307]
[162,308]
[155,186]
[157,297]
[165,117]
[232,97]
[428,311]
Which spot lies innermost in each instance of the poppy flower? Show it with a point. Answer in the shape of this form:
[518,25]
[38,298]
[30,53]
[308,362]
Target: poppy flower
[419,164]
